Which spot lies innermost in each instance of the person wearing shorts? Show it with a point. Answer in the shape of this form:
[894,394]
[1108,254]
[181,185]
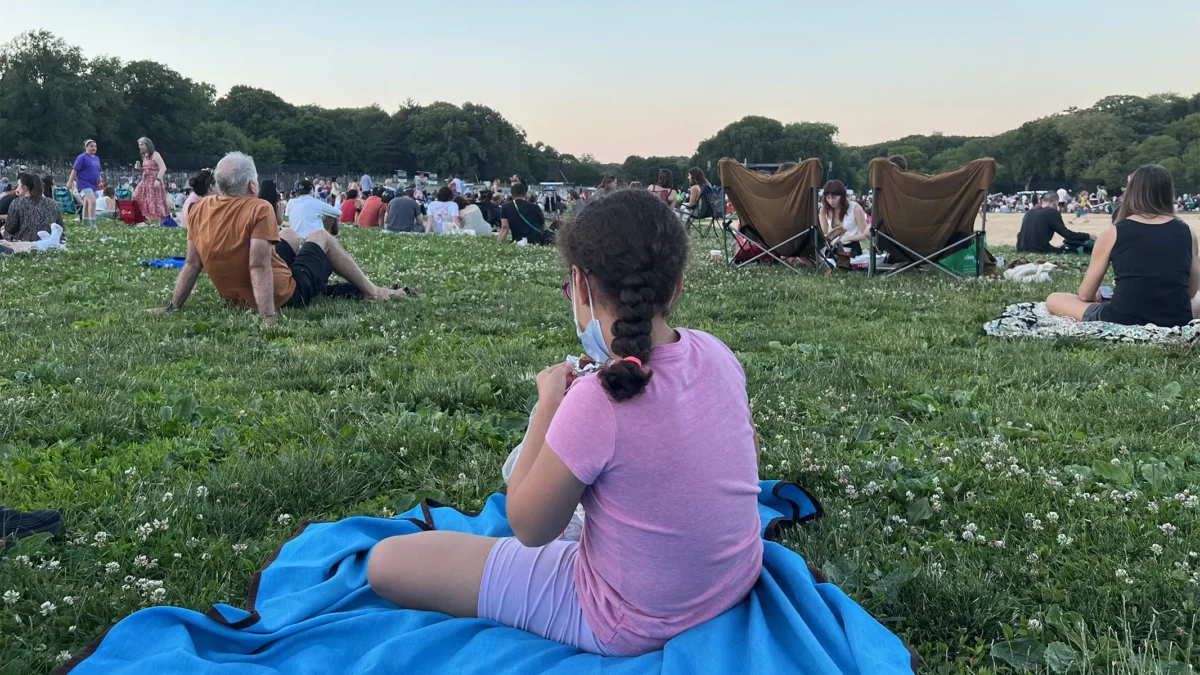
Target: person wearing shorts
[86,174]
[235,237]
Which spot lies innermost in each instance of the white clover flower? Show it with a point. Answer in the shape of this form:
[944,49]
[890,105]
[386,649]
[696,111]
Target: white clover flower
[284,518]
[205,556]
[1052,517]
[1168,529]
[1033,624]
[238,548]
[201,492]
[1064,540]
[48,608]
[1115,462]
[168,496]
[1032,559]
[64,655]
[178,556]
[23,560]
[145,530]
[112,567]
[11,597]
[1122,574]
[1156,549]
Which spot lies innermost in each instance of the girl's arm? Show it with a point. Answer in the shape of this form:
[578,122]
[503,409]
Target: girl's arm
[860,217]
[1194,277]
[71,180]
[543,493]
[693,196]
[1099,265]
[824,220]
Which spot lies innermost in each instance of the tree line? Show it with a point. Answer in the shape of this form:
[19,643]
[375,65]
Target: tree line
[52,97]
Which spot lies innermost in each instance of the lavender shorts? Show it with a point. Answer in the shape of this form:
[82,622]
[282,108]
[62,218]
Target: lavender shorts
[533,589]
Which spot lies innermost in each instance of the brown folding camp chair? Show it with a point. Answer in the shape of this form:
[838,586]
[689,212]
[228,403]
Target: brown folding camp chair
[920,219]
[777,214]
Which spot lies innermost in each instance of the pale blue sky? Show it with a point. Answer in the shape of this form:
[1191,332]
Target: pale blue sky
[624,77]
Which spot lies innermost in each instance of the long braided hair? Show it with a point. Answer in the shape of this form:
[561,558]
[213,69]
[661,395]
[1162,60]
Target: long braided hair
[633,249]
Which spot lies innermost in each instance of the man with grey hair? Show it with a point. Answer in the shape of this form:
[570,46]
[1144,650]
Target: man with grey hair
[251,262]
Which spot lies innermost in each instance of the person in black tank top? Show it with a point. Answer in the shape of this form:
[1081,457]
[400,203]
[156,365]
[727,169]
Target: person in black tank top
[1153,256]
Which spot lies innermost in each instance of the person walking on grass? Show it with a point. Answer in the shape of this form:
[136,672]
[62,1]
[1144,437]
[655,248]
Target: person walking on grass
[151,192]
[85,174]
[251,262]
[1153,256]
[666,401]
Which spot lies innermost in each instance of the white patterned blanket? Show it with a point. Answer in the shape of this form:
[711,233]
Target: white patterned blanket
[1032,320]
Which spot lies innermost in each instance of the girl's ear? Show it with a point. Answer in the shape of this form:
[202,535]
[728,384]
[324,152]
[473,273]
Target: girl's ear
[580,284]
[678,290]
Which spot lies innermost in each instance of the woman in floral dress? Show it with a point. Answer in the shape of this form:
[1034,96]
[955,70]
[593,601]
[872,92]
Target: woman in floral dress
[151,193]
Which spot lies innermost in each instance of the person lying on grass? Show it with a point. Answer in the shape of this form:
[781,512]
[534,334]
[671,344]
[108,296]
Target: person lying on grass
[234,236]
[658,446]
[1153,256]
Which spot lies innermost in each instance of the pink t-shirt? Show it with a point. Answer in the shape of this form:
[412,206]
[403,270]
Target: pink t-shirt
[671,538]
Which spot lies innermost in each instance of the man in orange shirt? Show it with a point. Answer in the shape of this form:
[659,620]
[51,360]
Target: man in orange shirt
[234,236]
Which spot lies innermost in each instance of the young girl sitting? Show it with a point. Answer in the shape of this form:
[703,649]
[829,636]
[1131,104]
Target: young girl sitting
[1153,256]
[658,445]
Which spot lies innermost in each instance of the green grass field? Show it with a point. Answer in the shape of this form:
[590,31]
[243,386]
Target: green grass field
[1000,505]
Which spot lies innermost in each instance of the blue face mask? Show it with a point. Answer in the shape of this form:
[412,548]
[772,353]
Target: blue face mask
[593,337]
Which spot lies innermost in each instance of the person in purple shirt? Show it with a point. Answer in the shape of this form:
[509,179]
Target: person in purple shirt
[86,174]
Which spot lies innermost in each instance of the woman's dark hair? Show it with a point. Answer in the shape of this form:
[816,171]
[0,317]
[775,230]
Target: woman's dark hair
[697,176]
[836,188]
[351,194]
[48,186]
[462,202]
[1151,192]
[633,249]
[786,166]
[268,192]
[109,192]
[33,184]
[445,194]
[202,182]
[609,183]
[664,179]
[899,161]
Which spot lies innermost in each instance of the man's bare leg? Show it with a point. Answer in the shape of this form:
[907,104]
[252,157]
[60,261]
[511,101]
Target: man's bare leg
[346,268]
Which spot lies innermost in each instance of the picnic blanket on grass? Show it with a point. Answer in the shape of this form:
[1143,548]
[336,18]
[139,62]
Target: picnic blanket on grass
[311,611]
[175,263]
[1033,320]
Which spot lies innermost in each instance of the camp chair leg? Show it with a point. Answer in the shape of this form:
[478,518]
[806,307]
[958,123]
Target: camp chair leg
[770,252]
[926,259]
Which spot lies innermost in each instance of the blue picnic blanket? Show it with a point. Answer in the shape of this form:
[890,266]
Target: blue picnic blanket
[311,611]
[165,262]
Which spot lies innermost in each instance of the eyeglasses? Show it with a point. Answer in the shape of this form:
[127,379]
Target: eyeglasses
[566,289]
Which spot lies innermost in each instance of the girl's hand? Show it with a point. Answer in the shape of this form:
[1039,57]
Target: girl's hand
[552,384]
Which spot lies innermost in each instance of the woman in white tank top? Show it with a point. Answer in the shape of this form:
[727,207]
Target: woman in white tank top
[837,210]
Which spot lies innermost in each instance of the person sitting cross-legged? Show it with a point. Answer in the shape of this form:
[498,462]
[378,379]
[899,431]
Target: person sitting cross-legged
[234,237]
[1154,258]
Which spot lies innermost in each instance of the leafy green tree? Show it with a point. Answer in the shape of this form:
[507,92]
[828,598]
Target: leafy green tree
[44,98]
[1154,150]
[267,150]
[1189,167]
[1035,150]
[211,140]
[1097,146]
[164,106]
[257,112]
